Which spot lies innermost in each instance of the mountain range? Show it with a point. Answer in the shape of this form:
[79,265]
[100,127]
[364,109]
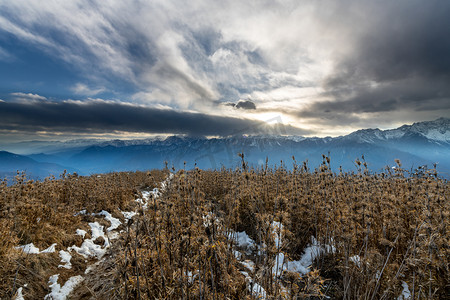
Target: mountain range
[422,143]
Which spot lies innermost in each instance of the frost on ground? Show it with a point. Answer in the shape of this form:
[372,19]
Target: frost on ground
[63,292]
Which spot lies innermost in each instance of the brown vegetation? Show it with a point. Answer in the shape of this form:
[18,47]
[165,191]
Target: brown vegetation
[44,212]
[381,230]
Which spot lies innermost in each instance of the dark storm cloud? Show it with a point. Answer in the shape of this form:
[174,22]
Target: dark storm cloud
[414,94]
[406,38]
[98,116]
[243,104]
[401,62]
[324,62]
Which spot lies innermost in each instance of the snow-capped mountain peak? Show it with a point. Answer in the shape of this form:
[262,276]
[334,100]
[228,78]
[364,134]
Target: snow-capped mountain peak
[437,131]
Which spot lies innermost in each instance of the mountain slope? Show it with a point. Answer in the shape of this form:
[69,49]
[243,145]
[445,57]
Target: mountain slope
[423,143]
[437,131]
[10,163]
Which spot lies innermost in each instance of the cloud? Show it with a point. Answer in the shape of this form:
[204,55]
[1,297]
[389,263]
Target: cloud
[400,62]
[83,89]
[6,56]
[244,104]
[27,97]
[177,54]
[97,116]
[112,42]
[325,62]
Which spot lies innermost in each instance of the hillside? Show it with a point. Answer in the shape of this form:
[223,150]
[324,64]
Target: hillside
[11,164]
[237,234]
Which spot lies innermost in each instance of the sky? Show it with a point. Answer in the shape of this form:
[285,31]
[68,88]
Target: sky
[131,69]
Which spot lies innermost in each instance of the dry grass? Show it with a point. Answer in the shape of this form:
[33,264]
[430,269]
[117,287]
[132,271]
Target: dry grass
[396,223]
[44,213]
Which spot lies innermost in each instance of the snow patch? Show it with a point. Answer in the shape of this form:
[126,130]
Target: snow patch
[242,239]
[32,249]
[81,232]
[19,295]
[114,235]
[165,183]
[29,248]
[249,264]
[356,260]
[50,249]
[96,230]
[277,269]
[81,212]
[406,293]
[191,276]
[89,248]
[256,290]
[301,266]
[209,219]
[114,221]
[128,215]
[144,200]
[277,230]
[89,269]
[237,254]
[155,193]
[61,293]
[65,258]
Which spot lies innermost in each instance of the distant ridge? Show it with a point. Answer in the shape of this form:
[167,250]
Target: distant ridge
[437,130]
[11,163]
[422,143]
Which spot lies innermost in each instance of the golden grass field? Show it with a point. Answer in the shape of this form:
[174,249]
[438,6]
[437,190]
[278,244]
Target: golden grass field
[375,233]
